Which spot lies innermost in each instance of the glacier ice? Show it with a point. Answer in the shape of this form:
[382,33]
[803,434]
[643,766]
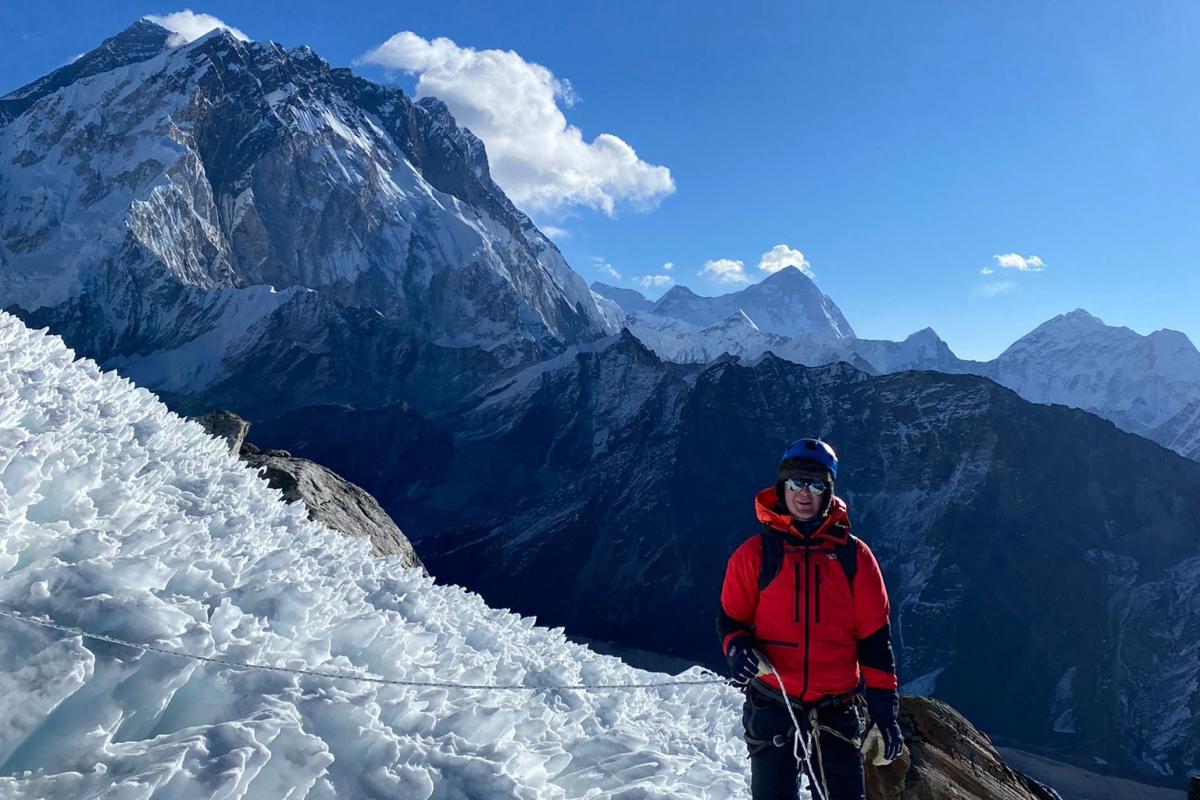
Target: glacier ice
[119,518]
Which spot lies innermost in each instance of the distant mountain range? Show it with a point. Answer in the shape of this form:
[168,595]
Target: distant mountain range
[1149,385]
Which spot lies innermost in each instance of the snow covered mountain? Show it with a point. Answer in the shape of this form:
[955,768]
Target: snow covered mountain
[1025,591]
[787,303]
[631,301]
[119,518]
[798,323]
[1149,385]
[210,216]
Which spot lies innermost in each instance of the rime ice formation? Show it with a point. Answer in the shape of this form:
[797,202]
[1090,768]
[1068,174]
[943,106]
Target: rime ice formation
[120,518]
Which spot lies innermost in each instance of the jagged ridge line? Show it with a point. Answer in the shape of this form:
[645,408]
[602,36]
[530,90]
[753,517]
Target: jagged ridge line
[346,675]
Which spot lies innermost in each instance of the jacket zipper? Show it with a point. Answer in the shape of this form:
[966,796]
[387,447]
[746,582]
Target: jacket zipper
[817,591]
[804,688]
[796,585]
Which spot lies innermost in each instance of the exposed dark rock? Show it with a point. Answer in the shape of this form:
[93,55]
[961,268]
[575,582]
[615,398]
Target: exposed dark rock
[334,502]
[946,757]
[226,425]
[330,499]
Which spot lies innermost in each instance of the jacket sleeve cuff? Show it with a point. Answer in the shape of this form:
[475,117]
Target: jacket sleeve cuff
[878,679]
[729,638]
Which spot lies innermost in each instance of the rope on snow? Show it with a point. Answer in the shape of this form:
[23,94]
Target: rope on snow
[348,675]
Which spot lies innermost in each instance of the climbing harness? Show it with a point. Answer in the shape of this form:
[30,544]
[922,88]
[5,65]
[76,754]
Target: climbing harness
[352,676]
[804,760]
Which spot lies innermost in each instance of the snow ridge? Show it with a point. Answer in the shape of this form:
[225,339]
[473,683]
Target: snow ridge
[118,517]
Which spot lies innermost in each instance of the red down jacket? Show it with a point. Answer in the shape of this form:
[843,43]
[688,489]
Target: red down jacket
[819,632]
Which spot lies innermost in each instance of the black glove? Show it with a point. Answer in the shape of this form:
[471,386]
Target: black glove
[743,660]
[883,706]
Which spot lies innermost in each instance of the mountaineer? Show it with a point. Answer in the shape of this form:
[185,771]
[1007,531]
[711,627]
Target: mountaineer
[804,616]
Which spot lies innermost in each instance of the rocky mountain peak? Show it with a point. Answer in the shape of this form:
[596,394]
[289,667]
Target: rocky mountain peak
[924,336]
[675,293]
[1169,338]
[141,41]
[628,345]
[246,177]
[471,146]
[786,302]
[1079,317]
[631,301]
[737,321]
[788,277]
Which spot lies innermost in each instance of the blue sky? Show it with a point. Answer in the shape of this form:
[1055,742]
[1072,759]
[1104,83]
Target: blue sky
[899,147]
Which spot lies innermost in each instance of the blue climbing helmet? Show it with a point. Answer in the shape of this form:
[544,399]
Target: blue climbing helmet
[807,458]
[810,450]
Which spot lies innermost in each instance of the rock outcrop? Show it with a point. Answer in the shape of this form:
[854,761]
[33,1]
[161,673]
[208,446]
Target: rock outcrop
[946,757]
[330,499]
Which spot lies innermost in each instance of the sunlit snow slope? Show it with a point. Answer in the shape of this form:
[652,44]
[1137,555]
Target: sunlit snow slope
[118,517]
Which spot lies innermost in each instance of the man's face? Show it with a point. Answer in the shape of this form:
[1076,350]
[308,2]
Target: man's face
[804,504]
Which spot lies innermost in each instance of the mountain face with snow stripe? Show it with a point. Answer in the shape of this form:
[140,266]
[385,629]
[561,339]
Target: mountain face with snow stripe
[605,490]
[121,518]
[167,209]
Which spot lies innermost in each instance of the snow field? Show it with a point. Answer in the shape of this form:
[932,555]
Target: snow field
[120,518]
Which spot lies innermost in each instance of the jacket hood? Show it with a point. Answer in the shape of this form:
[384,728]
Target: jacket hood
[835,529]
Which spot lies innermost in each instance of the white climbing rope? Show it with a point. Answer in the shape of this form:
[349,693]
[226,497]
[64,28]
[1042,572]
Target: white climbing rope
[348,675]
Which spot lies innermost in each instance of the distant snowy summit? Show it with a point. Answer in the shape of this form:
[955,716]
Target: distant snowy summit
[785,314]
[787,303]
[1149,385]
[1139,382]
[216,215]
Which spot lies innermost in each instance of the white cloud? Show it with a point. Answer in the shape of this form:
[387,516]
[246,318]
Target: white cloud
[993,289]
[725,270]
[670,265]
[653,281]
[606,268]
[540,160]
[781,256]
[1019,262]
[187,26]
[986,271]
[554,232]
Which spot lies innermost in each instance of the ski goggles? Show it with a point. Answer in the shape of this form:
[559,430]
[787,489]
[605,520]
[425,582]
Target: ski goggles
[814,485]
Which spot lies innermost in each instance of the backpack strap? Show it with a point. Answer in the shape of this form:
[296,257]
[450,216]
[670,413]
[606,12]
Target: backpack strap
[772,557]
[847,556]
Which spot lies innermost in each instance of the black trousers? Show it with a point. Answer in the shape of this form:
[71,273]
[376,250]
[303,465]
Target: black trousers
[773,770]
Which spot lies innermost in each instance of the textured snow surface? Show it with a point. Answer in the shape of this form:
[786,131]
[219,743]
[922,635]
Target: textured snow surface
[120,518]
